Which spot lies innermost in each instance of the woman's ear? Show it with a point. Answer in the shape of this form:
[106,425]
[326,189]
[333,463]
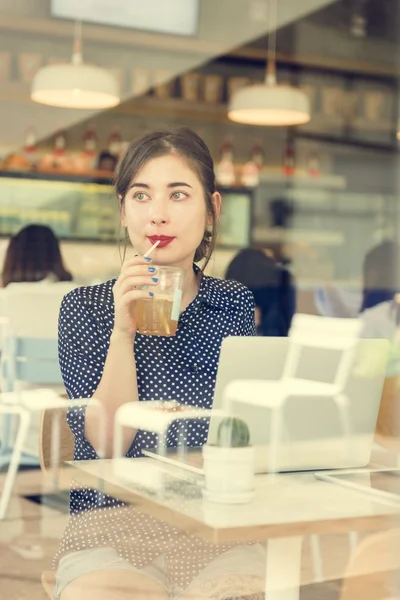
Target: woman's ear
[122,210]
[216,200]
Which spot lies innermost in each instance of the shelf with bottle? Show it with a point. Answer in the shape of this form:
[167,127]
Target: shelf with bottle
[255,172]
[60,162]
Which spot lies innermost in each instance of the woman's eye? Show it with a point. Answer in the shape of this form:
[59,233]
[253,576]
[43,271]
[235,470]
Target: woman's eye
[140,196]
[179,195]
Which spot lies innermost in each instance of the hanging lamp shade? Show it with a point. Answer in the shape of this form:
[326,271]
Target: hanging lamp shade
[270,104]
[75,86]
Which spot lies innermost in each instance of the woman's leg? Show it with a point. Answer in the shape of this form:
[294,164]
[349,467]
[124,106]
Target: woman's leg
[114,584]
[227,587]
[236,574]
[101,573]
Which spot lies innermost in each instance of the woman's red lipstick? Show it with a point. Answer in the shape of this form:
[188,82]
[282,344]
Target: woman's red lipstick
[164,240]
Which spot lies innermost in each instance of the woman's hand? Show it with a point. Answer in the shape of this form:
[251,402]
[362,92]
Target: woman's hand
[134,274]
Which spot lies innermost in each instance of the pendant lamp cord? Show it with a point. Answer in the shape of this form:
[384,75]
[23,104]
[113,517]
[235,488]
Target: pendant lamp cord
[77,52]
[272,26]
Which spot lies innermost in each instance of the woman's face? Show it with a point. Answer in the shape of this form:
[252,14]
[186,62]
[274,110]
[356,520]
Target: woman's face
[166,202]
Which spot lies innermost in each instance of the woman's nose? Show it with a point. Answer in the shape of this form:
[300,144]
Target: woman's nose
[157,220]
[159,214]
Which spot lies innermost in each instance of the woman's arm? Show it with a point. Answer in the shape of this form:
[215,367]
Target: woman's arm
[118,383]
[118,386]
[249,308]
[88,373]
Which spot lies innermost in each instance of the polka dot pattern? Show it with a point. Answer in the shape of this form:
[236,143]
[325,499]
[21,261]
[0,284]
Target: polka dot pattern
[183,368]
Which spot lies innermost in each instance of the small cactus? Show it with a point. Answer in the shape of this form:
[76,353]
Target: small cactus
[233,433]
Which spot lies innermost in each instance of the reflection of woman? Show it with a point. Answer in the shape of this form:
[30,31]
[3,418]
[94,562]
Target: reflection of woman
[166,187]
[381,319]
[272,287]
[33,254]
[381,273]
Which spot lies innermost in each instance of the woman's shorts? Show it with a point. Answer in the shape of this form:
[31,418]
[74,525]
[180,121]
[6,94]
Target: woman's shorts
[241,560]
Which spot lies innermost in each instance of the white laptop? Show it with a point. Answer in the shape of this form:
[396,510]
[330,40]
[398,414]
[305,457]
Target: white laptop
[313,436]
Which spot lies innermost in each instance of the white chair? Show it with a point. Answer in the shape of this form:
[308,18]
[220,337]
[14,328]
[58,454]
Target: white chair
[3,319]
[156,416]
[307,331]
[30,354]
[24,405]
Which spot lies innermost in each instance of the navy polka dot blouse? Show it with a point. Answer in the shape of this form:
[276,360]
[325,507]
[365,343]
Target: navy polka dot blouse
[182,367]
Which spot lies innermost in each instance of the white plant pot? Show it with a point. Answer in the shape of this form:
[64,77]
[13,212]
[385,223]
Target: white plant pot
[229,473]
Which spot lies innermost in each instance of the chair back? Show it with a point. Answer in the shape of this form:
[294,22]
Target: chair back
[32,308]
[325,333]
[30,351]
[388,424]
[66,451]
[373,570]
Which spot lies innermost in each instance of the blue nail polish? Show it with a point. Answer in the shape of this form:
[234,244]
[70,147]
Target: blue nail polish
[155,279]
[152,270]
[147,259]
[151,294]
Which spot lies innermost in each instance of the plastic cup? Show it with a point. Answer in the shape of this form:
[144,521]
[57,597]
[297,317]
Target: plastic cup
[159,314]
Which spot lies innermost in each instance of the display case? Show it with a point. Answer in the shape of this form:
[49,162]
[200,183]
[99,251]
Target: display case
[83,208]
[75,208]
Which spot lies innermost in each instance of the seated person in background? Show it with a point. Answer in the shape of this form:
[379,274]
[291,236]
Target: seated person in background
[381,283]
[380,313]
[272,287]
[33,255]
[107,162]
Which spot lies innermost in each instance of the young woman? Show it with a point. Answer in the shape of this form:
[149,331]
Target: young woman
[33,254]
[166,187]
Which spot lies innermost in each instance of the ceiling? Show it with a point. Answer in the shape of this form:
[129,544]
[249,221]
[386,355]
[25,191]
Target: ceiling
[27,27]
[381,16]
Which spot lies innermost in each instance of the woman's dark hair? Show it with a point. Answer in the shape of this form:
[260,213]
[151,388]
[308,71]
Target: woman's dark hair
[381,274]
[32,255]
[253,268]
[271,285]
[186,144]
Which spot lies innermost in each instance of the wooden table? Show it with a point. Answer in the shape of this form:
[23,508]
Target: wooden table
[284,510]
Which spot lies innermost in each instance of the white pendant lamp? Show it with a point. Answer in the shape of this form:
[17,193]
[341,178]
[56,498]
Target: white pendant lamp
[270,103]
[75,85]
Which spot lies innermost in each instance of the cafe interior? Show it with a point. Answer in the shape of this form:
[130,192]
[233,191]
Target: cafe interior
[263,459]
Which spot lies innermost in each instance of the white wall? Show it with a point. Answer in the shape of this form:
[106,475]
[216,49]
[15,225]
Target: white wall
[92,263]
